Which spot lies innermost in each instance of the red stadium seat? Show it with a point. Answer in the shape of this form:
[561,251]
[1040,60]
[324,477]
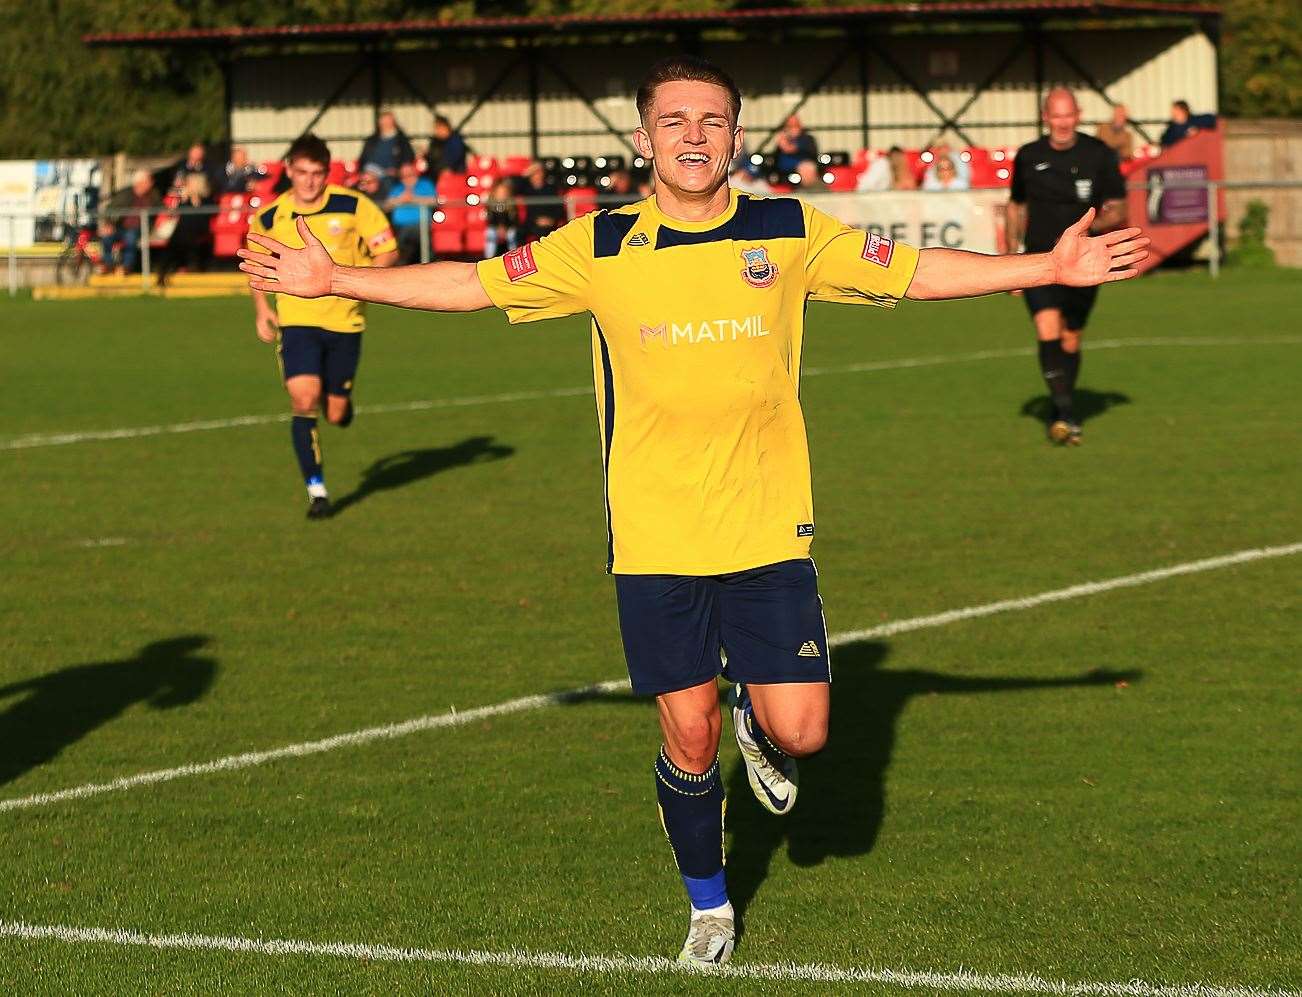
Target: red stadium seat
[842,177]
[580,201]
[513,166]
[452,185]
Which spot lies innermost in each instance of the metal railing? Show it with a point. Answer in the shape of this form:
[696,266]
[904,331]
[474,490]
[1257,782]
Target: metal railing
[430,217]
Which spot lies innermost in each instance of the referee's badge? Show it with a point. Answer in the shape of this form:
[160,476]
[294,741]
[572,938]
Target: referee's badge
[759,271]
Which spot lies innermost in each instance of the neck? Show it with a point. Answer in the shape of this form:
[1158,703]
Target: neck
[690,207]
[1066,143]
[305,206]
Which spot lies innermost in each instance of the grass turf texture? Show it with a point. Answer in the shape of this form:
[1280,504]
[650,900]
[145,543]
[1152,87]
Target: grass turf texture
[985,802]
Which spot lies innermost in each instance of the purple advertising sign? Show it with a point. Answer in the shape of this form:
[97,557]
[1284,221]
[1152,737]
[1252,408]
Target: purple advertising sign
[1172,197]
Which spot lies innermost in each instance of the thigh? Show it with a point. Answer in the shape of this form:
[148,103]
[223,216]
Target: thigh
[670,627]
[1042,299]
[301,352]
[343,351]
[771,625]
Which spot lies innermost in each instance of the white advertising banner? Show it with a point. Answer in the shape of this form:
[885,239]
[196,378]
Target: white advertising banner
[45,196]
[969,219]
[17,181]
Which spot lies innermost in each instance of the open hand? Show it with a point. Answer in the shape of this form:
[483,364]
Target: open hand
[304,273]
[1083,260]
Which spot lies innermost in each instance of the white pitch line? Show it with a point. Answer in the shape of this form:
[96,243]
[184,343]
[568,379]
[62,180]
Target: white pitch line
[456,719]
[33,440]
[963,981]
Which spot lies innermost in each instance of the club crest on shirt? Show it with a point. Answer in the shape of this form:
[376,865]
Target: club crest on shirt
[335,226]
[759,270]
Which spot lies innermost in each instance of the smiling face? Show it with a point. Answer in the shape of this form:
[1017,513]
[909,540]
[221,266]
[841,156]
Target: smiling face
[1062,116]
[691,139]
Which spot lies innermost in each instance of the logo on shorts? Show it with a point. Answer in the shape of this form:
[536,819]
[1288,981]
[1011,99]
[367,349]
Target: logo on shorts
[759,271]
[640,239]
[804,529]
[519,263]
[878,249]
[809,650]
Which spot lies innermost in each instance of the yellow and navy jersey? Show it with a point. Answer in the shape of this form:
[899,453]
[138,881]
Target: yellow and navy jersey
[354,231]
[697,329]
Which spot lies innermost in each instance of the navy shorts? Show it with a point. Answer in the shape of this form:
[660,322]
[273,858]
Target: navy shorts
[331,356]
[1075,303]
[768,621]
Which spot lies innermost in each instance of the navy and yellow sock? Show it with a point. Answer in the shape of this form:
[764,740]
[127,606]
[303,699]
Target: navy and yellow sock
[307,447]
[691,811]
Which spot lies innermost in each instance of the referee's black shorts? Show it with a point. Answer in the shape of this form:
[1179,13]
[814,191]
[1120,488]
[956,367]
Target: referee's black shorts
[1075,303]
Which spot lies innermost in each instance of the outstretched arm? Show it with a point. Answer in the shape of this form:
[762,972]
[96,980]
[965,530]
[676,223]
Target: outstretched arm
[310,273]
[1078,260]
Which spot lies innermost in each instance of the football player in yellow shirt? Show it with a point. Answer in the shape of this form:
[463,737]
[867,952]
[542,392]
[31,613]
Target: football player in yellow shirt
[319,340]
[697,297]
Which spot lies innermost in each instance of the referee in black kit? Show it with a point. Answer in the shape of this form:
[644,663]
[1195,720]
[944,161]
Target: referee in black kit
[1056,179]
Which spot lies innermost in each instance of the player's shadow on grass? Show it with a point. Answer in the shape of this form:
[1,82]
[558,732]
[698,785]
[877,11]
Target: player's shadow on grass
[399,469]
[61,708]
[1085,405]
[843,789]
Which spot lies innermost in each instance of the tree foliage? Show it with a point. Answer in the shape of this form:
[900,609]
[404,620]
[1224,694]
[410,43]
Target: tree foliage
[60,98]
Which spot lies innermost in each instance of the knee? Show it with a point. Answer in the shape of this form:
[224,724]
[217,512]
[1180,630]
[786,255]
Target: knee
[694,746]
[801,739]
[1070,341]
[304,405]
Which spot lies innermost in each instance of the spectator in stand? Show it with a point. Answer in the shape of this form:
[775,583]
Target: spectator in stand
[962,172]
[195,161]
[387,147]
[1184,124]
[120,223]
[372,182]
[1116,134]
[795,146]
[190,246]
[447,149]
[502,213]
[889,172]
[744,180]
[403,207]
[620,191]
[241,175]
[944,174]
[543,210]
[810,175]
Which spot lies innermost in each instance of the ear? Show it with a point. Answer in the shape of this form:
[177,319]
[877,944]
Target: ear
[642,142]
[738,141]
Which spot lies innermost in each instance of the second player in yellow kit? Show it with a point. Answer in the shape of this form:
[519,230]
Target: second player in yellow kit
[318,340]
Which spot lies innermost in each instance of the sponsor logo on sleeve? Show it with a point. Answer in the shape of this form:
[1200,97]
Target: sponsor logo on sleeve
[804,529]
[380,238]
[878,249]
[519,263]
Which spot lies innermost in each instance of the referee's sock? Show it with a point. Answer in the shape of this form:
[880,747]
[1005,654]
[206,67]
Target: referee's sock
[307,448]
[691,811]
[1056,370]
[1073,367]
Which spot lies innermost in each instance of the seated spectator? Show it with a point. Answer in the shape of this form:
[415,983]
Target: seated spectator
[620,191]
[795,146]
[1116,134]
[446,150]
[373,183]
[387,147]
[190,245]
[943,174]
[195,161]
[120,223]
[241,175]
[962,172]
[1184,124]
[889,172]
[502,213]
[543,209]
[403,207]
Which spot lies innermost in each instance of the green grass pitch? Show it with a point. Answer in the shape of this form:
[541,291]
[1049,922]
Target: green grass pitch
[1096,790]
